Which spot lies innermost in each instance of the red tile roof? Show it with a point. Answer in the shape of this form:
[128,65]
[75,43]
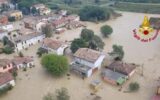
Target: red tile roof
[5,78]
[21,60]
[122,67]
[53,44]
[87,54]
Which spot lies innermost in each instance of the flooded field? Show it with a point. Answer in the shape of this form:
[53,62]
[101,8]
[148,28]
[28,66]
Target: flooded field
[35,82]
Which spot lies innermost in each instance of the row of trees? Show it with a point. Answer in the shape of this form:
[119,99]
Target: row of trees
[94,13]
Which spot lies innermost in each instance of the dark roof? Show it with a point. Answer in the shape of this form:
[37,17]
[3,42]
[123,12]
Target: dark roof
[112,75]
[122,67]
[5,77]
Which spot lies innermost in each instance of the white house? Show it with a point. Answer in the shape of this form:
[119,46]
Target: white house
[23,62]
[8,27]
[3,33]
[87,61]
[6,79]
[54,46]
[25,41]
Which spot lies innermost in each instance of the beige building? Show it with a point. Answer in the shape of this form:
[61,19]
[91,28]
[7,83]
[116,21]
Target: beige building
[15,13]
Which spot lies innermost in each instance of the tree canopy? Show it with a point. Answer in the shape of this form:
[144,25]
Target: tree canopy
[118,52]
[87,34]
[93,13]
[78,43]
[56,65]
[106,30]
[47,30]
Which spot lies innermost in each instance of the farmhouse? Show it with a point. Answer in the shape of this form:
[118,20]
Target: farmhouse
[6,79]
[5,65]
[87,61]
[112,77]
[123,68]
[23,62]
[15,13]
[54,46]
[34,23]
[25,41]
[42,9]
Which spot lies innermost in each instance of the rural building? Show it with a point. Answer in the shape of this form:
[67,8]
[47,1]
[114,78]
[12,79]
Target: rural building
[3,33]
[113,77]
[5,65]
[123,68]
[42,9]
[15,13]
[54,46]
[34,23]
[23,62]
[3,19]
[87,61]
[6,79]
[25,41]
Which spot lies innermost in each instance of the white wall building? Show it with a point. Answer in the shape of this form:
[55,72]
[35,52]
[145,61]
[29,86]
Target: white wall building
[3,34]
[89,58]
[54,46]
[26,41]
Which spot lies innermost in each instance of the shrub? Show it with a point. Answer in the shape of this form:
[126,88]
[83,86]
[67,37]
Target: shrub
[134,86]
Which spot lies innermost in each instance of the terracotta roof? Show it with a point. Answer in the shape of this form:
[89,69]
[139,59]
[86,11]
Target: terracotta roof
[87,54]
[5,78]
[122,67]
[156,97]
[4,62]
[21,60]
[53,44]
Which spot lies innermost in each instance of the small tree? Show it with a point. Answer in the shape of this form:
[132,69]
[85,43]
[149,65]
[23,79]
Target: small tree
[87,34]
[34,10]
[62,94]
[77,43]
[20,54]
[106,30]
[56,65]
[47,30]
[8,50]
[41,51]
[134,86]
[96,43]
[118,52]
[11,19]
[49,96]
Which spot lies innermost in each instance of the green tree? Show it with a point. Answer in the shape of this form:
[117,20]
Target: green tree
[93,13]
[134,86]
[96,1]
[34,10]
[21,54]
[106,30]
[62,94]
[49,96]
[96,43]
[87,34]
[8,50]
[47,30]
[77,43]
[56,65]
[118,52]
[41,51]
